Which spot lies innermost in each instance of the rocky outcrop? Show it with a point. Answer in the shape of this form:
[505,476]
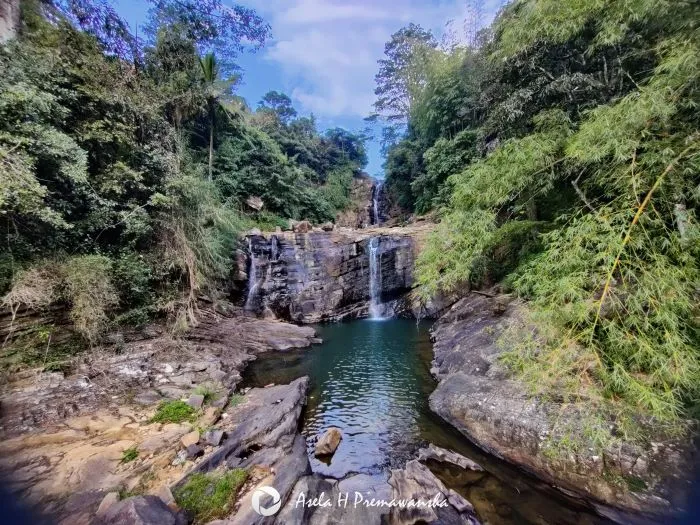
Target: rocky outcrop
[140,510]
[477,396]
[359,213]
[9,19]
[325,276]
[66,436]
[148,366]
[263,438]
[416,482]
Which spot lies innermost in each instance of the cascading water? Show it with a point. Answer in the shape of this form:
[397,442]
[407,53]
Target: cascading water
[375,202]
[252,279]
[375,279]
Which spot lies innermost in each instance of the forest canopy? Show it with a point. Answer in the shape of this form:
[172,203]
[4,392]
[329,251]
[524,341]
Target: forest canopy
[561,154]
[128,163]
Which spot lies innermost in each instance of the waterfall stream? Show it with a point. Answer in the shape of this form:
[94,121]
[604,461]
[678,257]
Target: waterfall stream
[375,202]
[252,279]
[375,279]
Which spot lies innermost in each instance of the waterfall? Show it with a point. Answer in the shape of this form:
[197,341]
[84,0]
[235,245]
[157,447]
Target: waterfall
[375,202]
[252,279]
[375,279]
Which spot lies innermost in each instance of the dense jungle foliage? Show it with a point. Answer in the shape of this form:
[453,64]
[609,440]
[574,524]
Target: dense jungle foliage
[126,165]
[562,154]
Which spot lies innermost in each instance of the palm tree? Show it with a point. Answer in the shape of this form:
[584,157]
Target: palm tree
[210,73]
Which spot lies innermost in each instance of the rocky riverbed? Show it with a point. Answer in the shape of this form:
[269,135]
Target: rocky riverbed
[77,444]
[65,436]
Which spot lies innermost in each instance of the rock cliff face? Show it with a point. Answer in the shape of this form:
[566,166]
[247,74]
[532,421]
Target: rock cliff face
[477,396]
[359,213]
[324,276]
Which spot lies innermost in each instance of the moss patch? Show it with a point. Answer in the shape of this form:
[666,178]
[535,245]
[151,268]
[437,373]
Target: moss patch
[210,496]
[173,412]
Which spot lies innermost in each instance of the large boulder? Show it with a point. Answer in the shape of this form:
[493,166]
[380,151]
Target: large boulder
[255,203]
[329,442]
[478,396]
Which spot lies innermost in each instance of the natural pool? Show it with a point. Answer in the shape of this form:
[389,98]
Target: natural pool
[372,379]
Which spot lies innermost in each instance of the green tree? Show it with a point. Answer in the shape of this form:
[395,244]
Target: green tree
[280,104]
[588,127]
[403,72]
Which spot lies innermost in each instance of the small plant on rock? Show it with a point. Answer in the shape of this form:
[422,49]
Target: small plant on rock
[173,412]
[210,496]
[236,399]
[130,454]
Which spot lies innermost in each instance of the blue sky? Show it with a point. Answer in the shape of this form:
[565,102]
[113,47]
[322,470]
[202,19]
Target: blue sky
[323,53]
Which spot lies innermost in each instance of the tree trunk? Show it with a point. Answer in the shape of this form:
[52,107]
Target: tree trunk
[211,148]
[211,139]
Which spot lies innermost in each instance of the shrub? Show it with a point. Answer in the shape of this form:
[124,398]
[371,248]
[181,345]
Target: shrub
[131,275]
[89,289]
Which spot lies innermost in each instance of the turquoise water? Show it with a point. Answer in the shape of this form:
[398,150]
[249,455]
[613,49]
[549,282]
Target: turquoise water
[372,379]
[364,381]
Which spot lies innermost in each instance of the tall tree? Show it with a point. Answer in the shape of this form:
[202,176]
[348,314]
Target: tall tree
[403,72]
[280,104]
[210,74]
[226,30]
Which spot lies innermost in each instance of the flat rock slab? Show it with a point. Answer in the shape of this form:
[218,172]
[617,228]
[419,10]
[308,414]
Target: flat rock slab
[140,510]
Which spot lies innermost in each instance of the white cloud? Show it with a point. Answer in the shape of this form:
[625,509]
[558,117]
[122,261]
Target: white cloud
[328,50]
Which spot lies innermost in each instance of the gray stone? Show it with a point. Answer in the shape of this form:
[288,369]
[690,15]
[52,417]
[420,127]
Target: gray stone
[329,442]
[194,451]
[110,499]
[213,437]
[180,458]
[220,402]
[140,510]
[196,401]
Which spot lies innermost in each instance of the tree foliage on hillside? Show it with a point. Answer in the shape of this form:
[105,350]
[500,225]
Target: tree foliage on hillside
[136,167]
[576,179]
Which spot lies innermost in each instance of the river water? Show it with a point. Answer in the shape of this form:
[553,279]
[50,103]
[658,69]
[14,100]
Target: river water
[372,380]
